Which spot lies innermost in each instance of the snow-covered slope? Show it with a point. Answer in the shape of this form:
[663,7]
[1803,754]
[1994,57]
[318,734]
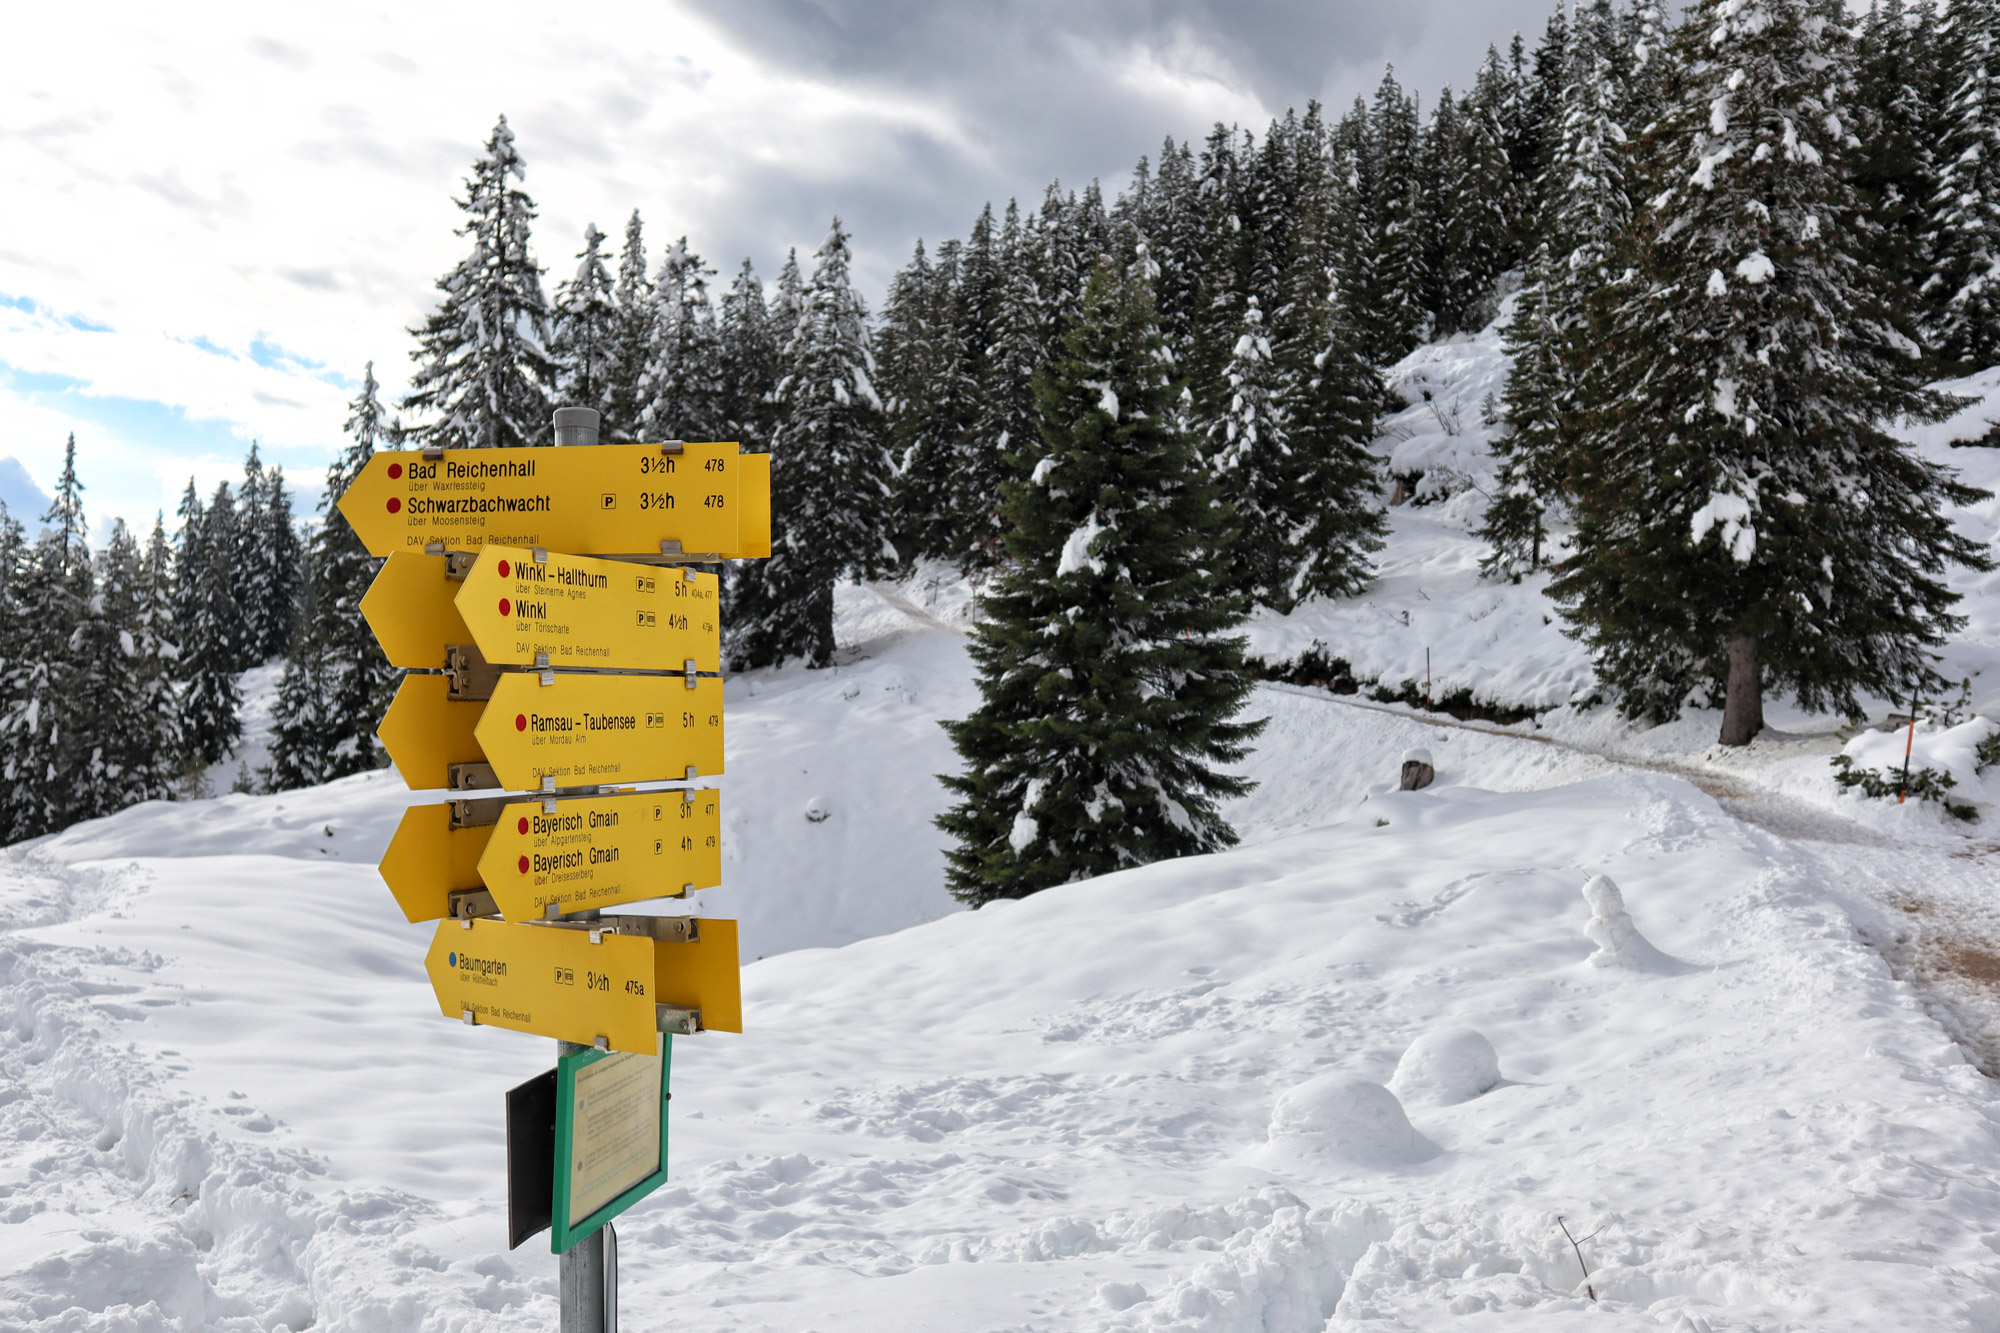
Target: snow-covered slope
[1128,1103]
[1229,1093]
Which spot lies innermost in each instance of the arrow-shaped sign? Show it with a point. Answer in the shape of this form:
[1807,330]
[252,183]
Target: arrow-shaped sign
[614,499]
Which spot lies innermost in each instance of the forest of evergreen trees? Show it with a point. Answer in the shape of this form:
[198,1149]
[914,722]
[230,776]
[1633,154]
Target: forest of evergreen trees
[1741,240]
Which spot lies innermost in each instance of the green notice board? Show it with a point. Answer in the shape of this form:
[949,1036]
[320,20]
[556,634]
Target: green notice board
[611,1137]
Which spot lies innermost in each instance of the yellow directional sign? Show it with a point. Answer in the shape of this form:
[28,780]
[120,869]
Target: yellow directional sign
[602,851]
[614,499]
[584,981]
[590,852]
[428,734]
[429,860]
[582,730]
[576,731]
[410,608]
[572,611]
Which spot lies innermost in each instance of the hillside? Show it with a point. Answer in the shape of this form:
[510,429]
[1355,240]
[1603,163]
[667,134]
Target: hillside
[1228,1093]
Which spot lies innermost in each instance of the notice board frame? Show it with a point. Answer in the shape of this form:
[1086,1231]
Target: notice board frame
[564,1230]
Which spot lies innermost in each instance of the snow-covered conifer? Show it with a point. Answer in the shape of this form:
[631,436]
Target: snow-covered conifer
[1251,451]
[46,718]
[1585,210]
[212,633]
[585,341]
[634,299]
[1745,521]
[1962,250]
[336,683]
[681,390]
[1110,684]
[483,366]
[829,473]
[749,363]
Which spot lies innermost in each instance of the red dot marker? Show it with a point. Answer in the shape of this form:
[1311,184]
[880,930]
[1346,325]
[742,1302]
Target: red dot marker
[395,471]
[523,863]
[523,825]
[504,567]
[394,504]
[520,721]
[506,607]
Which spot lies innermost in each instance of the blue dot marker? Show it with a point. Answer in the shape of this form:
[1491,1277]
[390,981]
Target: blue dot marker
[451,960]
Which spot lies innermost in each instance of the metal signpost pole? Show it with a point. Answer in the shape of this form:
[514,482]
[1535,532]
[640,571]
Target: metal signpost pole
[581,1272]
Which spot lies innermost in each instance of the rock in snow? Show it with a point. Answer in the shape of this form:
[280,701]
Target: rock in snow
[1447,1066]
[1418,771]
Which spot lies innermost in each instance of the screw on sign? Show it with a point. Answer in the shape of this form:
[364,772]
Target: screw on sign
[526,585]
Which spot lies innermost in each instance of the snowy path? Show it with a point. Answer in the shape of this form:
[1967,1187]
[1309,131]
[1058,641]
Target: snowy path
[1926,903]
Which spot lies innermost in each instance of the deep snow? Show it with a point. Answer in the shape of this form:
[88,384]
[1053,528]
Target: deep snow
[1702,1007]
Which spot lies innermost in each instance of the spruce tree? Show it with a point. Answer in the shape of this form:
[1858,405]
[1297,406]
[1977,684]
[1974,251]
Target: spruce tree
[124,746]
[212,633]
[931,401]
[1963,247]
[1255,467]
[484,371]
[1110,684]
[748,363]
[18,658]
[634,300]
[1745,521]
[337,683]
[829,473]
[47,725]
[681,390]
[585,341]
[1586,210]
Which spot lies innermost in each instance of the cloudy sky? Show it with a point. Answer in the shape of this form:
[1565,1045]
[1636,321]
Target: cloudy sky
[212,215]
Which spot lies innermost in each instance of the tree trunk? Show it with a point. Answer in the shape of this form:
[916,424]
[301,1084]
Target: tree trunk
[1743,706]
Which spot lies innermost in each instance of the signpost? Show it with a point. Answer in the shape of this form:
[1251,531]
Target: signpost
[693,501]
[597,983]
[562,656]
[520,858]
[517,607]
[533,732]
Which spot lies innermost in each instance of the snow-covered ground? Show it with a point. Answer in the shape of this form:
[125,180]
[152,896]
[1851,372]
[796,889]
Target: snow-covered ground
[1250,1091]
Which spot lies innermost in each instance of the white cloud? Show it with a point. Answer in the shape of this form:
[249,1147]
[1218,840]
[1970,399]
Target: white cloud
[189,186]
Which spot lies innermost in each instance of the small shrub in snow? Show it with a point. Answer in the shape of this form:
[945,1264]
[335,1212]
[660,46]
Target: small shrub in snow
[1925,784]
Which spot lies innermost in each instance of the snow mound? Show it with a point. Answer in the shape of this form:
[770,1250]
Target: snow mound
[1349,1118]
[1618,941]
[1446,1066]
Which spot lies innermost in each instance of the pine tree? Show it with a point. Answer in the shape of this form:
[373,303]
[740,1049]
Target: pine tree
[1963,248]
[829,471]
[212,632]
[927,385]
[585,342]
[1744,519]
[1109,683]
[634,300]
[483,367]
[267,563]
[1254,465]
[1396,320]
[749,363]
[681,390]
[336,683]
[1586,209]
[1894,168]
[18,659]
[124,746]
[46,724]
